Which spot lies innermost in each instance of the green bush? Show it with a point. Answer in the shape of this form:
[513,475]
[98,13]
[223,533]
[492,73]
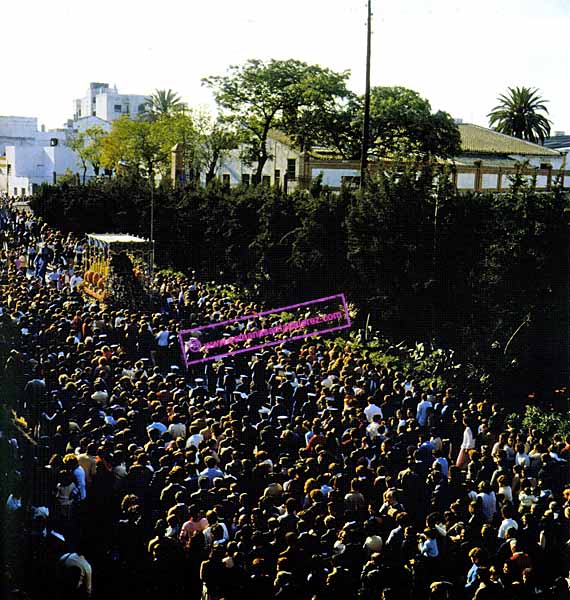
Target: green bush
[465,280]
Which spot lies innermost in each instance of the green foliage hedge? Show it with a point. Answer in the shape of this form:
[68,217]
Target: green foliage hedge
[424,261]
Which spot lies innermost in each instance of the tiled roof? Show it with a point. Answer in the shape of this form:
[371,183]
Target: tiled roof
[480,140]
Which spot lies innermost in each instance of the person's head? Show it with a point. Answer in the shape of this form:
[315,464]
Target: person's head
[70,461]
[291,505]
[477,556]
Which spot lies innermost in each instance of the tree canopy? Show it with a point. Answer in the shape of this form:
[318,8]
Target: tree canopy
[402,122]
[287,94]
[521,113]
[88,147]
[134,147]
[162,103]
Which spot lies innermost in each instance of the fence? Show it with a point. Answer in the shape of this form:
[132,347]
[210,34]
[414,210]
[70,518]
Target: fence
[478,177]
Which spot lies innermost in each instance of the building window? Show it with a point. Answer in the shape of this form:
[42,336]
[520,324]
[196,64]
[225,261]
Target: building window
[277,176]
[291,168]
[141,108]
[15,191]
[23,191]
[245,179]
[94,114]
[117,108]
[545,166]
[266,180]
[226,179]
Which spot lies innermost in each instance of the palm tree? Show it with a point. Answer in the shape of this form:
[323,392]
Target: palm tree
[518,114]
[161,103]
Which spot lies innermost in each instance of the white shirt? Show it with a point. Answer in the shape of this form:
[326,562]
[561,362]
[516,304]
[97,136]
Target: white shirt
[506,524]
[372,410]
[177,430]
[195,440]
[372,430]
[468,439]
[75,281]
[507,492]
[422,411]
[209,537]
[75,560]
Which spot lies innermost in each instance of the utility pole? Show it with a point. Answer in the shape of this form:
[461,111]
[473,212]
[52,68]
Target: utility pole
[366,123]
[151,232]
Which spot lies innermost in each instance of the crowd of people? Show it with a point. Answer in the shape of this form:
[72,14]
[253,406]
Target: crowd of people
[300,472]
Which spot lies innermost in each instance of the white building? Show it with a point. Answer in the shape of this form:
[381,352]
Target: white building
[30,157]
[487,162]
[105,102]
[284,159]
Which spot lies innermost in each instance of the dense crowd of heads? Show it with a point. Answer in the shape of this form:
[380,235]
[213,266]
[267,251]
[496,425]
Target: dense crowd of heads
[299,472]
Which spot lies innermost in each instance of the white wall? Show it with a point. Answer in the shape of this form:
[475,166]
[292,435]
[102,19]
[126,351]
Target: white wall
[466,181]
[280,153]
[17,130]
[489,181]
[37,164]
[129,103]
[87,122]
[105,100]
[333,177]
[536,161]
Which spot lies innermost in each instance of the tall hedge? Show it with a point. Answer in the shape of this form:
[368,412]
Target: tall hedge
[423,260]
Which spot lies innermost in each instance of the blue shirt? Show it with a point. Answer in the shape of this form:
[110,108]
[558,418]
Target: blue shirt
[422,412]
[471,576]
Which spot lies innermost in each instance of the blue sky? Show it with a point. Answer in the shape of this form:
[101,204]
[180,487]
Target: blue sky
[459,55]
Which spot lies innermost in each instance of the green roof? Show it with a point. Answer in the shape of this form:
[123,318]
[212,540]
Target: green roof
[480,140]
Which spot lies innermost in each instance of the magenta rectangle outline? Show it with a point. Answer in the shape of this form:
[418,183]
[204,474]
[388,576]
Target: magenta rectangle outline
[261,314]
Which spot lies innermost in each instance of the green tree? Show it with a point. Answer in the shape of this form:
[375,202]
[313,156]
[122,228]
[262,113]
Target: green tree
[88,146]
[93,151]
[178,128]
[401,122]
[77,141]
[134,147]
[162,103]
[338,128]
[219,140]
[259,96]
[520,113]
